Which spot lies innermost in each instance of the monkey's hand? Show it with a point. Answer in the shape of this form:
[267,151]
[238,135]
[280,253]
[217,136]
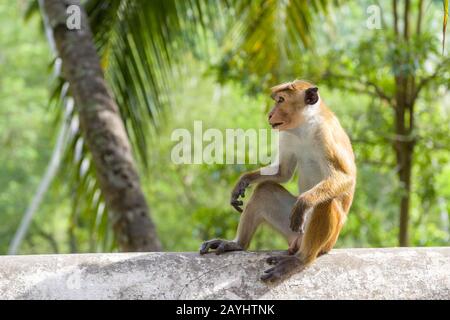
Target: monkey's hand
[298,215]
[239,191]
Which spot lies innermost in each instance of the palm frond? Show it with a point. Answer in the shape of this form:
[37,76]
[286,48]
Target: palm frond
[140,44]
[266,37]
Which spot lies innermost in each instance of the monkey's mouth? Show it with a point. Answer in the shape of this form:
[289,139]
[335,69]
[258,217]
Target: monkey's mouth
[276,125]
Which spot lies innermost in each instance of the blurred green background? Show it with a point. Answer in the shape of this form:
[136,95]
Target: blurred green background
[223,80]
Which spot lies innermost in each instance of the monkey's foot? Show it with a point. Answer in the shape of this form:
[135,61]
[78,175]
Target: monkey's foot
[273,260]
[284,266]
[321,253]
[221,246]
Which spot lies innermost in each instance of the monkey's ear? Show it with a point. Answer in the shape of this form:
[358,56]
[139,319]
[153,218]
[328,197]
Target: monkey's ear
[311,95]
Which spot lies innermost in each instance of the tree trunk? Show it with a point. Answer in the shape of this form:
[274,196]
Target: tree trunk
[103,131]
[404,147]
[404,153]
[404,142]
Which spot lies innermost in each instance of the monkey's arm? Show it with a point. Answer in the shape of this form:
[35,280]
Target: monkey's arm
[337,184]
[281,171]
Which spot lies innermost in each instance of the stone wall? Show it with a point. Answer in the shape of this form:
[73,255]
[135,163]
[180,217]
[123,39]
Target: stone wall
[392,273]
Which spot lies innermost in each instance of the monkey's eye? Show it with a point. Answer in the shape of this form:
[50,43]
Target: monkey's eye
[280,99]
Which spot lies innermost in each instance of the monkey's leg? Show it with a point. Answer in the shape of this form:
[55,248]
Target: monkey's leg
[269,203]
[321,233]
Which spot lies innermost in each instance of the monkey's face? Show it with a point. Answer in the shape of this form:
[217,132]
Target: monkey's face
[290,102]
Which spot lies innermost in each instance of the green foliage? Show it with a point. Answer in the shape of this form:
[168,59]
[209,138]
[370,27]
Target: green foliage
[25,132]
[170,63]
[265,39]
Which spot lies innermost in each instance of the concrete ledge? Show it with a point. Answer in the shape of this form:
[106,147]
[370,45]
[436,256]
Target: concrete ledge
[412,273]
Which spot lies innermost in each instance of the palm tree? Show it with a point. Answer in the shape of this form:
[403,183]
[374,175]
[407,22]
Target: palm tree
[140,44]
[103,130]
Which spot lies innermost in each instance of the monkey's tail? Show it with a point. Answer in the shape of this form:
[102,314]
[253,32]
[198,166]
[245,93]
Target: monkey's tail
[321,232]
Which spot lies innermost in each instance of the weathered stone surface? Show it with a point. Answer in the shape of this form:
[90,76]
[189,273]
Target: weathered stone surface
[412,273]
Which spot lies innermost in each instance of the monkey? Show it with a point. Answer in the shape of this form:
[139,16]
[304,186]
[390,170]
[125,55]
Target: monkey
[312,141]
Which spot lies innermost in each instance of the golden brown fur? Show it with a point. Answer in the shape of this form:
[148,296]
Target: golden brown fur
[312,139]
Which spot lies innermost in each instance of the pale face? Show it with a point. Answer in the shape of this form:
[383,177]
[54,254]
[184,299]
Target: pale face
[287,111]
